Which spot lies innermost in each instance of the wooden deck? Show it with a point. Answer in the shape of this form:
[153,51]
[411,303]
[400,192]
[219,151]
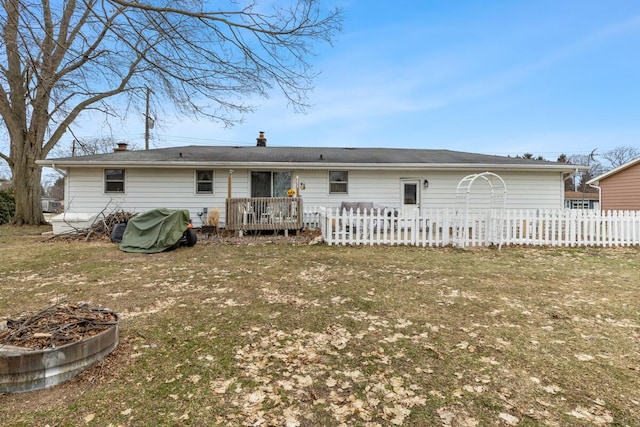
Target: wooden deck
[264,213]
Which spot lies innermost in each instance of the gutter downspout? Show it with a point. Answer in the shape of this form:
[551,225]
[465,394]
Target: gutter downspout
[60,171]
[597,187]
[572,176]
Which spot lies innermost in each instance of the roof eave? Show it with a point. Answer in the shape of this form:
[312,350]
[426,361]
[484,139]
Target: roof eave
[308,165]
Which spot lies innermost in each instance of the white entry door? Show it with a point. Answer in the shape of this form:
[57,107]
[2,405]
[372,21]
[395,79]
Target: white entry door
[410,189]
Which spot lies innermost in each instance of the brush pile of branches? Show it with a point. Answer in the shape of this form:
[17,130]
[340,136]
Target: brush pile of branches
[101,227]
[55,326]
[104,226]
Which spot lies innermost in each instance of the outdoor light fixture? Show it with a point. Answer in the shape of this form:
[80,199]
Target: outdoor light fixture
[425,184]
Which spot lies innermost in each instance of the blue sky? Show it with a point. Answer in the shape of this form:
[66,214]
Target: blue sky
[494,77]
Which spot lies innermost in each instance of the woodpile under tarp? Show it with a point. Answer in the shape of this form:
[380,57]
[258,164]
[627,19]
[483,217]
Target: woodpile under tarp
[55,326]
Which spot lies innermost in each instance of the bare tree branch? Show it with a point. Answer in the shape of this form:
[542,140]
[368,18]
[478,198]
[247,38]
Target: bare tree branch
[60,59]
[619,156]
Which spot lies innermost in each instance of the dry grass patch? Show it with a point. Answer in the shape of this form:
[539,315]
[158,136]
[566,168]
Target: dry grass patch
[275,334]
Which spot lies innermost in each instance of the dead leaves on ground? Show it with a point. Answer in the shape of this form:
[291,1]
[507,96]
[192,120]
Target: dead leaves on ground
[358,375]
[364,390]
[454,354]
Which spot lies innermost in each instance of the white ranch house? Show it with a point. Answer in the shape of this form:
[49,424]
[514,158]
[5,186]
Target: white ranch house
[202,178]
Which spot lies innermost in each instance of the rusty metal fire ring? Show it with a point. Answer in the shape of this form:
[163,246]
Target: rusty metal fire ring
[23,370]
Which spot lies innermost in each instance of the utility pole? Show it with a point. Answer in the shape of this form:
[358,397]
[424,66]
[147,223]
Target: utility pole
[146,121]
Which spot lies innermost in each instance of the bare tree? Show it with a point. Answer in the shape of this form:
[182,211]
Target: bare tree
[619,156]
[60,59]
[595,169]
[55,189]
[87,147]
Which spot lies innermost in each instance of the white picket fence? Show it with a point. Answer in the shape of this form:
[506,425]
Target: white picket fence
[444,227]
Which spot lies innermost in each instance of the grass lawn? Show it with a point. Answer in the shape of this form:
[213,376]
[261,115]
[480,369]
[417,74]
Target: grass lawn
[273,334]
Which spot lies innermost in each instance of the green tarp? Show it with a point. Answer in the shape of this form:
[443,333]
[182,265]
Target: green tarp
[154,231]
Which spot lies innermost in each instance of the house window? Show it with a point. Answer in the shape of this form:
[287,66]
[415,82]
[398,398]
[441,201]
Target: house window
[579,204]
[270,184]
[114,180]
[338,182]
[204,181]
[410,193]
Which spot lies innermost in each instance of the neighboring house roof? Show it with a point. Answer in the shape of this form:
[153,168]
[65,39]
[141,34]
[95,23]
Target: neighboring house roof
[578,195]
[303,157]
[620,168]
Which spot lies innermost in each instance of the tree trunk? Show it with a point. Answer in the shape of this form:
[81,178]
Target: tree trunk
[26,181]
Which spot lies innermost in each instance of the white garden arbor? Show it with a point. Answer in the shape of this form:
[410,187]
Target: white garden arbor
[467,218]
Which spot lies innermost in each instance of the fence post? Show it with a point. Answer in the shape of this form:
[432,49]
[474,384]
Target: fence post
[328,223]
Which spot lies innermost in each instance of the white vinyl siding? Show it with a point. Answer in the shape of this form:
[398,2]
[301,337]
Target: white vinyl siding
[174,189]
[146,189]
[530,190]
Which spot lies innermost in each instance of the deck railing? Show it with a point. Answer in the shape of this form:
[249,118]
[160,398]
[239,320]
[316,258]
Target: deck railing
[264,213]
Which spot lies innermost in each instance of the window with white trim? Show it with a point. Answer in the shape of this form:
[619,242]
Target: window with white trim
[114,180]
[204,181]
[338,182]
[579,204]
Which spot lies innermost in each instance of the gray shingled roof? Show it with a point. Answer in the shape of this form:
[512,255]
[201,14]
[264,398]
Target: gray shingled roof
[298,155]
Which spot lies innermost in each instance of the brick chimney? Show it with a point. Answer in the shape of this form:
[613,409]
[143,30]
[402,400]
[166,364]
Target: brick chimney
[122,146]
[261,140]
